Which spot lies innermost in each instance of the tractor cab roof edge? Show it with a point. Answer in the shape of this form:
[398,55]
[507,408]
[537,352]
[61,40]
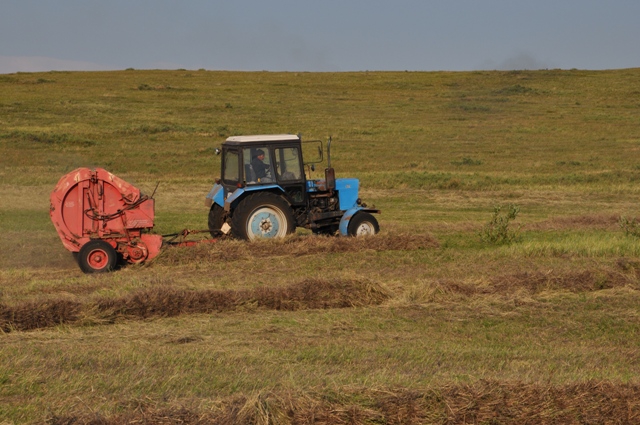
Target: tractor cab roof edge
[264,138]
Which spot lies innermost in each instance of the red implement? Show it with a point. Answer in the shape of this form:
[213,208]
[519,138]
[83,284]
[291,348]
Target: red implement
[100,216]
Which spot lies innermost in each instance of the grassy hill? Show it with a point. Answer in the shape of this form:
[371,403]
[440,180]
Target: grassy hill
[454,313]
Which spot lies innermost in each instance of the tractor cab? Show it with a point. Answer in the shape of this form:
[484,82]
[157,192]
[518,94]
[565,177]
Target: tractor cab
[264,162]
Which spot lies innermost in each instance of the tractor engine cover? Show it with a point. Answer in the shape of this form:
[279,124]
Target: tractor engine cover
[89,205]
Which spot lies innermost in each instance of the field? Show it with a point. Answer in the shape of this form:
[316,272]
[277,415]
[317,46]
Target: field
[456,313]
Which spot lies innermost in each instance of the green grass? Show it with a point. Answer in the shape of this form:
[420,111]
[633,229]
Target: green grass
[436,152]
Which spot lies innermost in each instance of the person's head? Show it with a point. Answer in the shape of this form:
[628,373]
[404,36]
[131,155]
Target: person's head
[259,154]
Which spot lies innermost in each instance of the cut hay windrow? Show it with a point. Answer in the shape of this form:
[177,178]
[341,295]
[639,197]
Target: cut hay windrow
[484,402]
[296,246]
[592,221]
[535,282]
[33,315]
[165,301]
[576,281]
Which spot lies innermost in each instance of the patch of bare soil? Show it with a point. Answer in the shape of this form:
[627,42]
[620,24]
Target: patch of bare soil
[166,301]
[485,402]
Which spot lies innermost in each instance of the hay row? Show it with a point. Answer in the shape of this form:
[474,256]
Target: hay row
[165,301]
[536,282]
[295,246]
[485,402]
[592,221]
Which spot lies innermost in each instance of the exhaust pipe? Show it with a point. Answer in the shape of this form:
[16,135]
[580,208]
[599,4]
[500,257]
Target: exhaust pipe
[329,173]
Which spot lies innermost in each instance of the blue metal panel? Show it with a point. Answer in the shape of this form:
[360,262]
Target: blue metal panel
[232,197]
[237,194]
[347,192]
[344,221]
[217,194]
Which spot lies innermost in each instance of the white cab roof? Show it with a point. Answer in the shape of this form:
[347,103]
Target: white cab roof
[263,137]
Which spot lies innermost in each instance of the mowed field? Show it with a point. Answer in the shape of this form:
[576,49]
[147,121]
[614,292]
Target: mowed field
[436,320]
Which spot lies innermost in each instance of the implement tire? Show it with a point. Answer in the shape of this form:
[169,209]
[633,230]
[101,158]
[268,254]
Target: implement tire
[262,215]
[97,256]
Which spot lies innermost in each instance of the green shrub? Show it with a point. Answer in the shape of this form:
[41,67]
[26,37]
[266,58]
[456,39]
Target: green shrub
[497,231]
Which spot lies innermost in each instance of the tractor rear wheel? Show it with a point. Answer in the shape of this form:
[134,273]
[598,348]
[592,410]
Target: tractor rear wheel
[363,224]
[216,220]
[262,215]
[97,256]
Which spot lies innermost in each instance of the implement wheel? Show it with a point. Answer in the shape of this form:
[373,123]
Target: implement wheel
[262,215]
[363,224]
[97,257]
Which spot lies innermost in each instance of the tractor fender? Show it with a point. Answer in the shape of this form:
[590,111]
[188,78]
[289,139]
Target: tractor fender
[348,215]
[237,194]
[215,195]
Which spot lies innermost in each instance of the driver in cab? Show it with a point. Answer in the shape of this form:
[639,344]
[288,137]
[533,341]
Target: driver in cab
[259,167]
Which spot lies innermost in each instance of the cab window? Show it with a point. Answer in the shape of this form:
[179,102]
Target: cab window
[230,162]
[288,165]
[257,165]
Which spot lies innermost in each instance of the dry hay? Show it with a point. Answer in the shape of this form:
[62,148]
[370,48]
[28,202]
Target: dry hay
[165,301]
[33,315]
[536,282]
[574,281]
[484,402]
[233,250]
[594,221]
[311,293]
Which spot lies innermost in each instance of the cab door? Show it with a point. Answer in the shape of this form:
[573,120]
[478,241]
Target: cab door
[290,173]
[230,169]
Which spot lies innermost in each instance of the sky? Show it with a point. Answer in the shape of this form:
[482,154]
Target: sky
[327,35]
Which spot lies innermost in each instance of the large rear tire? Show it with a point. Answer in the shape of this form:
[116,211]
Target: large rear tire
[216,220]
[97,256]
[363,224]
[262,215]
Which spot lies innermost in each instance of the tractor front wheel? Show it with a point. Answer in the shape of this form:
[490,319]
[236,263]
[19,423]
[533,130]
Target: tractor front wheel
[262,215]
[363,224]
[97,256]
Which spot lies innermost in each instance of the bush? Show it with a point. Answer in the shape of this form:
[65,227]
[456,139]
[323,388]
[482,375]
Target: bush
[497,231]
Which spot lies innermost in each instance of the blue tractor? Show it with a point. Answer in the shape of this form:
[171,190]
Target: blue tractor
[264,192]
